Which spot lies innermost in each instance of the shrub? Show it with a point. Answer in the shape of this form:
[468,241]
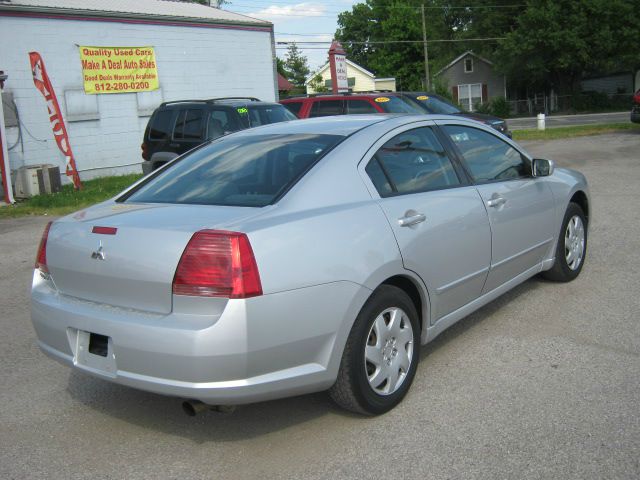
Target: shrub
[500,107]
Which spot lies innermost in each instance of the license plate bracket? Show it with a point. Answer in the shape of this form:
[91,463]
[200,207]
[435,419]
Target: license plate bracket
[94,351]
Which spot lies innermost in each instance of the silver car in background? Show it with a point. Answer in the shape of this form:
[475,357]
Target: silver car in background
[303,256]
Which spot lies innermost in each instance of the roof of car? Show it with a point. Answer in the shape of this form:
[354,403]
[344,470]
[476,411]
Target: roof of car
[329,96]
[224,101]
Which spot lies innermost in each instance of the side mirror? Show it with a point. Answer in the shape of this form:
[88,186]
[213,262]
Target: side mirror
[542,167]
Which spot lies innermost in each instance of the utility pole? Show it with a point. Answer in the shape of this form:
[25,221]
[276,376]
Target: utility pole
[426,51]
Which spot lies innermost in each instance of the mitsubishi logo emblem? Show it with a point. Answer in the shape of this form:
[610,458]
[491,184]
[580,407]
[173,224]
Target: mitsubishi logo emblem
[98,254]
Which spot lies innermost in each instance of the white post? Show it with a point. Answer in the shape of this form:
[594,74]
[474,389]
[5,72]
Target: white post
[541,125]
[5,167]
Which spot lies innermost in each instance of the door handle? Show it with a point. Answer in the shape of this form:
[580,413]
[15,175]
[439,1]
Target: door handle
[410,220]
[496,201]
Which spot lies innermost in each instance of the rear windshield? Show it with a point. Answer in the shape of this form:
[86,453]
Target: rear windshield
[434,104]
[257,115]
[396,105]
[248,171]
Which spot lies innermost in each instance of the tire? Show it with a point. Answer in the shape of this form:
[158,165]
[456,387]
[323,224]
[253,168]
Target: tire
[567,268]
[391,348]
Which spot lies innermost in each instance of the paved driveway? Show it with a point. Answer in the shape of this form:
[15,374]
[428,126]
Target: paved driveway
[542,383]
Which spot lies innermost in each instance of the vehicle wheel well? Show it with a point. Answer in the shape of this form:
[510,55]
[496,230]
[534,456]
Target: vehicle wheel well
[581,199]
[409,287]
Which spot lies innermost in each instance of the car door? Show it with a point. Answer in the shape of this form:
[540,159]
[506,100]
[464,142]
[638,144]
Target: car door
[189,129]
[520,207]
[438,219]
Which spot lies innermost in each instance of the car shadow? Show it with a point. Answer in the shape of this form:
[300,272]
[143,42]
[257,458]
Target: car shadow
[165,414]
[470,321]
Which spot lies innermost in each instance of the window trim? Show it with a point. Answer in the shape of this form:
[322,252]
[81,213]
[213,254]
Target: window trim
[204,119]
[318,101]
[469,104]
[470,59]
[460,157]
[371,155]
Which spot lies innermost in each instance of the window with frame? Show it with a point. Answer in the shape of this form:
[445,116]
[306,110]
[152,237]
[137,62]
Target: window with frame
[189,125]
[324,108]
[411,162]
[468,65]
[160,125]
[470,95]
[293,107]
[355,107]
[487,157]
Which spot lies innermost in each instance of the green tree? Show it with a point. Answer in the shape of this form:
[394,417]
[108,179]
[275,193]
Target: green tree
[295,66]
[317,84]
[401,21]
[280,67]
[557,42]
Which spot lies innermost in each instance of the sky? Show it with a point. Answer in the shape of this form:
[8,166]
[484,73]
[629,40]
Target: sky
[297,21]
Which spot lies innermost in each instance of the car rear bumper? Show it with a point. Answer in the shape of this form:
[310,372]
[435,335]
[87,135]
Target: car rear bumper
[266,347]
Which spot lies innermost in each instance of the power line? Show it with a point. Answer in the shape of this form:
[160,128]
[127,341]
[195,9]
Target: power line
[382,42]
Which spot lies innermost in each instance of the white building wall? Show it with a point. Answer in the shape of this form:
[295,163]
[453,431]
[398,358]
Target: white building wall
[193,63]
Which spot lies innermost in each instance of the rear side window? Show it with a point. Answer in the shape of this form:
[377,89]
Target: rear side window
[189,125]
[360,106]
[293,107]
[412,162]
[161,124]
[324,108]
[250,171]
[265,114]
[487,157]
[396,105]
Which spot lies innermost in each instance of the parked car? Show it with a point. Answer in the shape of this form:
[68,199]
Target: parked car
[303,256]
[323,105]
[635,109]
[177,127]
[433,103]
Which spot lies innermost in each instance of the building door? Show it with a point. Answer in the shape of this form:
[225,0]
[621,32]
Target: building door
[469,95]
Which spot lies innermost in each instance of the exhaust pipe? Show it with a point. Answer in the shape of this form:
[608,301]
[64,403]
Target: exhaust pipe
[194,407]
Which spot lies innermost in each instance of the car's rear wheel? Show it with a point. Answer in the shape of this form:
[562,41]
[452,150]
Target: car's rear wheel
[572,246]
[381,354]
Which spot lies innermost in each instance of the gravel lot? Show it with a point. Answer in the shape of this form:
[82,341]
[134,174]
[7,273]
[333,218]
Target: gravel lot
[542,383]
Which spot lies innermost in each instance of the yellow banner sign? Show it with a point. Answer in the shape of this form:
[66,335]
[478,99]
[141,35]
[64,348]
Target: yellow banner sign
[119,69]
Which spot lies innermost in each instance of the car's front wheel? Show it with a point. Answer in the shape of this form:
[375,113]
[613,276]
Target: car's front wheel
[381,354]
[572,246]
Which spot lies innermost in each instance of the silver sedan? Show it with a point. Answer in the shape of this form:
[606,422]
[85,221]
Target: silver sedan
[303,256]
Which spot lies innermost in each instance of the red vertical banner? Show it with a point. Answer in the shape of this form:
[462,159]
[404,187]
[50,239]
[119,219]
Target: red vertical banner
[42,83]
[338,66]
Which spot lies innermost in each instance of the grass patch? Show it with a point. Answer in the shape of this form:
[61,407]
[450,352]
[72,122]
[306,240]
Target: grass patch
[68,200]
[573,131]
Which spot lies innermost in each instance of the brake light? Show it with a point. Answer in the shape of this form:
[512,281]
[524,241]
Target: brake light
[41,256]
[218,263]
[145,152]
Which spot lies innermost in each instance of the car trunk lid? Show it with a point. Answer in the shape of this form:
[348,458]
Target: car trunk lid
[132,262]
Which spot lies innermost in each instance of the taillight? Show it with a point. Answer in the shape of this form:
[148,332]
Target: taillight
[145,152]
[218,263]
[41,256]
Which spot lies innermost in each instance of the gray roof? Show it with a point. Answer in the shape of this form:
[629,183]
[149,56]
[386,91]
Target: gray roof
[457,59]
[167,10]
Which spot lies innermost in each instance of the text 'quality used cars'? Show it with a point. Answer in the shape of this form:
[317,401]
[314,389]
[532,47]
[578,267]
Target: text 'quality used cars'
[303,256]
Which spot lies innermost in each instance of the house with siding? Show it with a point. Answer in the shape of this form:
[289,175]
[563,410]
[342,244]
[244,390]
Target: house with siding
[360,79]
[201,52]
[473,80]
